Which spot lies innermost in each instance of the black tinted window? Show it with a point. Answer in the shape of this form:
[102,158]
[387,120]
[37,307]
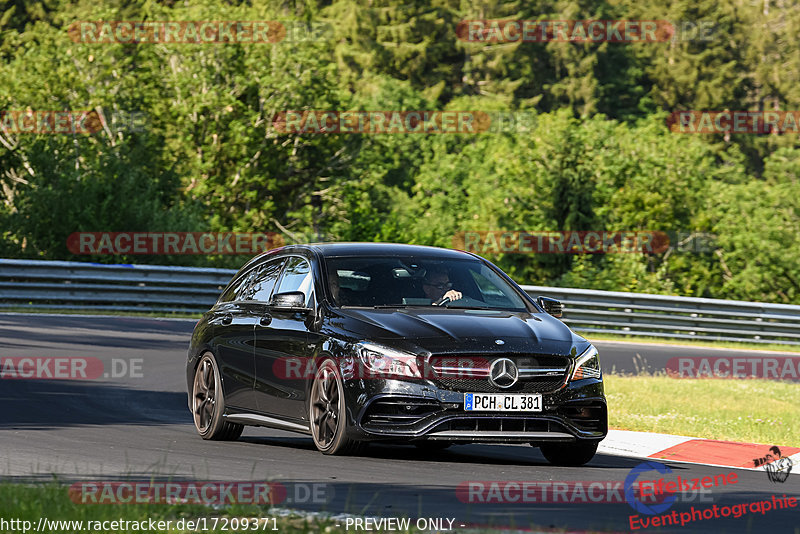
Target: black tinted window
[239,289]
[408,281]
[265,281]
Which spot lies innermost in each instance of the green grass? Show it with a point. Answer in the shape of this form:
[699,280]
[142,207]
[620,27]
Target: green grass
[691,343]
[30,502]
[51,501]
[748,410]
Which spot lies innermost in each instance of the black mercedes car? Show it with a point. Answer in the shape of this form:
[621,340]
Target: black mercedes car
[359,342]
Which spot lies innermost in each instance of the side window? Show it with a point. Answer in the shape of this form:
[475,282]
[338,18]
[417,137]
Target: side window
[265,281]
[297,277]
[239,289]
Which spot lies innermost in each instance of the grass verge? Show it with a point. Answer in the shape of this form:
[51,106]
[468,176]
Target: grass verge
[51,501]
[32,502]
[739,345]
[751,410]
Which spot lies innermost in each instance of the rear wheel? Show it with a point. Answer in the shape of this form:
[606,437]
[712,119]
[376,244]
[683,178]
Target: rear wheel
[327,412]
[569,454]
[208,403]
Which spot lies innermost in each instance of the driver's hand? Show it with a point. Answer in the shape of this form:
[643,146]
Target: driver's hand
[452,295]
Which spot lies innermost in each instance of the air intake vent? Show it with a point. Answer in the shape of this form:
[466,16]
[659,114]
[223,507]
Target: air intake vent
[589,417]
[399,412]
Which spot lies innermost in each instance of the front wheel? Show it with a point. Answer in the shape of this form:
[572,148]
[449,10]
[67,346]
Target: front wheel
[327,412]
[208,403]
[569,454]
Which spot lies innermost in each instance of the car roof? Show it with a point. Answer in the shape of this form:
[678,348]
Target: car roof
[385,249]
[355,249]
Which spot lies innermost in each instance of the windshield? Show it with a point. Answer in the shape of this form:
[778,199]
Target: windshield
[408,281]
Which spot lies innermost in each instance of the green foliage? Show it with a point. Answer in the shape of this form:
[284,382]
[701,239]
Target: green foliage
[599,156]
[758,224]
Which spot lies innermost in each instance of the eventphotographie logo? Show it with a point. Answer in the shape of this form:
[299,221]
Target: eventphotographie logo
[777,467]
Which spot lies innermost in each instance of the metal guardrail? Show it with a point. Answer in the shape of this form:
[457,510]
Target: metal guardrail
[54,285]
[640,314]
[94,286]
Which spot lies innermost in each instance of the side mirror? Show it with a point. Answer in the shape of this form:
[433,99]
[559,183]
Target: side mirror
[551,306]
[289,301]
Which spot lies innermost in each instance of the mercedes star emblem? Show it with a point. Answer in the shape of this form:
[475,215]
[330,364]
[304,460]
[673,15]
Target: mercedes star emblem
[503,373]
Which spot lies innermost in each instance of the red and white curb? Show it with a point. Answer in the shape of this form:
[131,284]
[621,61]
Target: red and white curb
[691,450]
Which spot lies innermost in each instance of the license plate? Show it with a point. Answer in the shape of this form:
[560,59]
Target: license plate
[498,402]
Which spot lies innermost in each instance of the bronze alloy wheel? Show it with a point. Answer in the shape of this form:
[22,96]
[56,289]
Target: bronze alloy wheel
[327,412]
[208,403]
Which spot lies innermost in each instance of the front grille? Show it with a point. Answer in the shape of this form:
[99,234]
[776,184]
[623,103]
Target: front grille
[483,386]
[469,373]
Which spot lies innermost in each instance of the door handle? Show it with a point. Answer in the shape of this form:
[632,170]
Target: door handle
[227,318]
[265,320]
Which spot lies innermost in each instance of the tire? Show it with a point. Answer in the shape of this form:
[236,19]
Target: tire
[569,454]
[208,403]
[432,446]
[327,412]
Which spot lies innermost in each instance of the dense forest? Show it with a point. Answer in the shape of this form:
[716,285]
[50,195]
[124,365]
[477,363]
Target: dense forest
[187,138]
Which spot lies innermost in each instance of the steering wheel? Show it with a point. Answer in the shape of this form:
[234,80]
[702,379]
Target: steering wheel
[442,301]
[464,301]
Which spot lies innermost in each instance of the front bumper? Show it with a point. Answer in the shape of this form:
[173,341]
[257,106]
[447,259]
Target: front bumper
[403,410]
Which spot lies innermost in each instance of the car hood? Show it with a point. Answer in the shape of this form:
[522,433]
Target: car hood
[463,331]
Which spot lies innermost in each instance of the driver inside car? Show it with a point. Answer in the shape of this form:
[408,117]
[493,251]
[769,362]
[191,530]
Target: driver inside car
[438,288]
[341,295]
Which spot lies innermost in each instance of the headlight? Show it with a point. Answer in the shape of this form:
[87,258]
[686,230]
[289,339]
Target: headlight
[588,365]
[387,361]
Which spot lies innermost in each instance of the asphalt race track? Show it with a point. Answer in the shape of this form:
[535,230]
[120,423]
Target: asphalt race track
[137,426]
